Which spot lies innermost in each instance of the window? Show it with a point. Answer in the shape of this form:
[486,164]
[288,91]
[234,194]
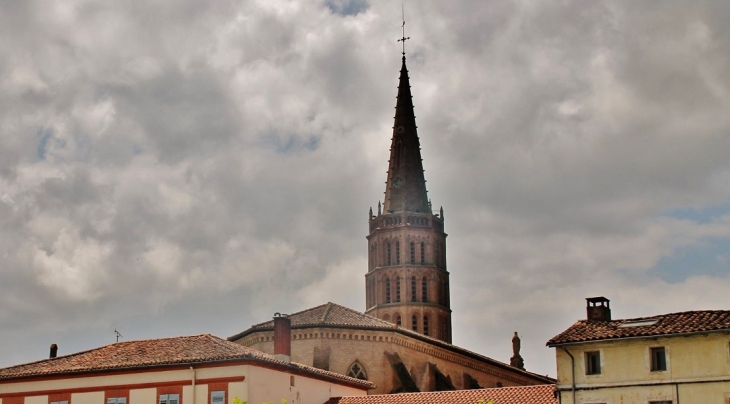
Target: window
[58,398]
[424,290]
[169,399]
[414,323]
[661,402]
[658,359]
[397,253]
[413,252]
[389,260]
[423,252]
[116,400]
[414,286]
[425,325]
[292,381]
[387,290]
[397,288]
[397,320]
[357,371]
[218,396]
[593,363]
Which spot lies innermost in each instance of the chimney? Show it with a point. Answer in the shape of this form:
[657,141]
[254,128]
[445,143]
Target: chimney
[598,309]
[282,337]
[54,351]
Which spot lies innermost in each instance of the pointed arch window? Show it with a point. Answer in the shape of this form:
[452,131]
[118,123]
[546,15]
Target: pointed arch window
[397,253]
[387,290]
[397,288]
[413,252]
[424,289]
[357,370]
[425,325]
[423,252]
[398,320]
[414,288]
[414,323]
[389,255]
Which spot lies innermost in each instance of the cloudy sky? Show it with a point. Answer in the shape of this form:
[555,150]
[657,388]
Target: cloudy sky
[182,167]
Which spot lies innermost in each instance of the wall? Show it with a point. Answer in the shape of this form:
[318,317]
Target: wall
[272,386]
[368,347]
[260,385]
[692,362]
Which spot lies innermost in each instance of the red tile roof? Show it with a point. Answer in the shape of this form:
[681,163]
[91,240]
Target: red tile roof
[161,352]
[665,324]
[328,314]
[337,316]
[541,394]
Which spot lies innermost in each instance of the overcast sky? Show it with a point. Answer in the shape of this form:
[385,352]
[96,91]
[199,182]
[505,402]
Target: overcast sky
[182,167]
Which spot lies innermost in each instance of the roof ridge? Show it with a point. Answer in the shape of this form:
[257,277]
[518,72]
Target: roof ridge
[326,312]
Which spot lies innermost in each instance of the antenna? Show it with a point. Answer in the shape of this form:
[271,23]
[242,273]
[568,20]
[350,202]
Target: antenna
[119,335]
[403,26]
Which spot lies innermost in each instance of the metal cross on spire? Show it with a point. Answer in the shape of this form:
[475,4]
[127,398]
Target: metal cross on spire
[403,26]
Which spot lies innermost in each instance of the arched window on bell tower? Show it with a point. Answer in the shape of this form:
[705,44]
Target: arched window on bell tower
[387,290]
[398,320]
[414,323]
[397,253]
[424,289]
[389,254]
[425,325]
[414,288]
[397,288]
[413,252]
[423,252]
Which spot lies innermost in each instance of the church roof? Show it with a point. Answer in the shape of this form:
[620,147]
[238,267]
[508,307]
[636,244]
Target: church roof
[328,314]
[162,353]
[406,185]
[540,394]
[654,326]
[332,315]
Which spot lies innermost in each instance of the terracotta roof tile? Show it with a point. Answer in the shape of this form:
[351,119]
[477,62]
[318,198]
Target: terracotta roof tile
[665,324]
[157,353]
[328,314]
[541,394]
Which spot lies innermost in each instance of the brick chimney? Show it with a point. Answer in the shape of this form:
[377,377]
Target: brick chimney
[54,351]
[282,337]
[598,309]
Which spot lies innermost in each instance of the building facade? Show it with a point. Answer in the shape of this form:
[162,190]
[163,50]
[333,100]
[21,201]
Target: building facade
[181,370]
[666,359]
[396,359]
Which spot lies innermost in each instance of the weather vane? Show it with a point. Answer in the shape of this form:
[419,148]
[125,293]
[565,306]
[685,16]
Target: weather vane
[118,334]
[403,26]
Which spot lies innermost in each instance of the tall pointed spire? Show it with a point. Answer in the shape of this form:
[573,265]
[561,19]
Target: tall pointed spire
[406,186]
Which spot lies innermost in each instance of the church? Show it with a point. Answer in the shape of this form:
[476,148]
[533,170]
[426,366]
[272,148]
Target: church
[402,342]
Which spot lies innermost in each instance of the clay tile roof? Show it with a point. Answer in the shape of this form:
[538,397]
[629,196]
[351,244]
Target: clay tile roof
[329,314]
[541,394]
[665,324]
[161,352]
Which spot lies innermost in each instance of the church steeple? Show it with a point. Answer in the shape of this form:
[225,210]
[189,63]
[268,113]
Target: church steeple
[407,282]
[406,186]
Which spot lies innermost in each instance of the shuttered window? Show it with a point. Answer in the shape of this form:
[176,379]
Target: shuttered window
[169,399]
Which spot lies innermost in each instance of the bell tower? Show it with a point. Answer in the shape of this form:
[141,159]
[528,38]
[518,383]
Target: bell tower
[407,282]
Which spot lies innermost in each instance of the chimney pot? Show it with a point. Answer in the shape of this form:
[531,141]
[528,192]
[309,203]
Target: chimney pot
[598,309]
[282,337]
[54,351]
